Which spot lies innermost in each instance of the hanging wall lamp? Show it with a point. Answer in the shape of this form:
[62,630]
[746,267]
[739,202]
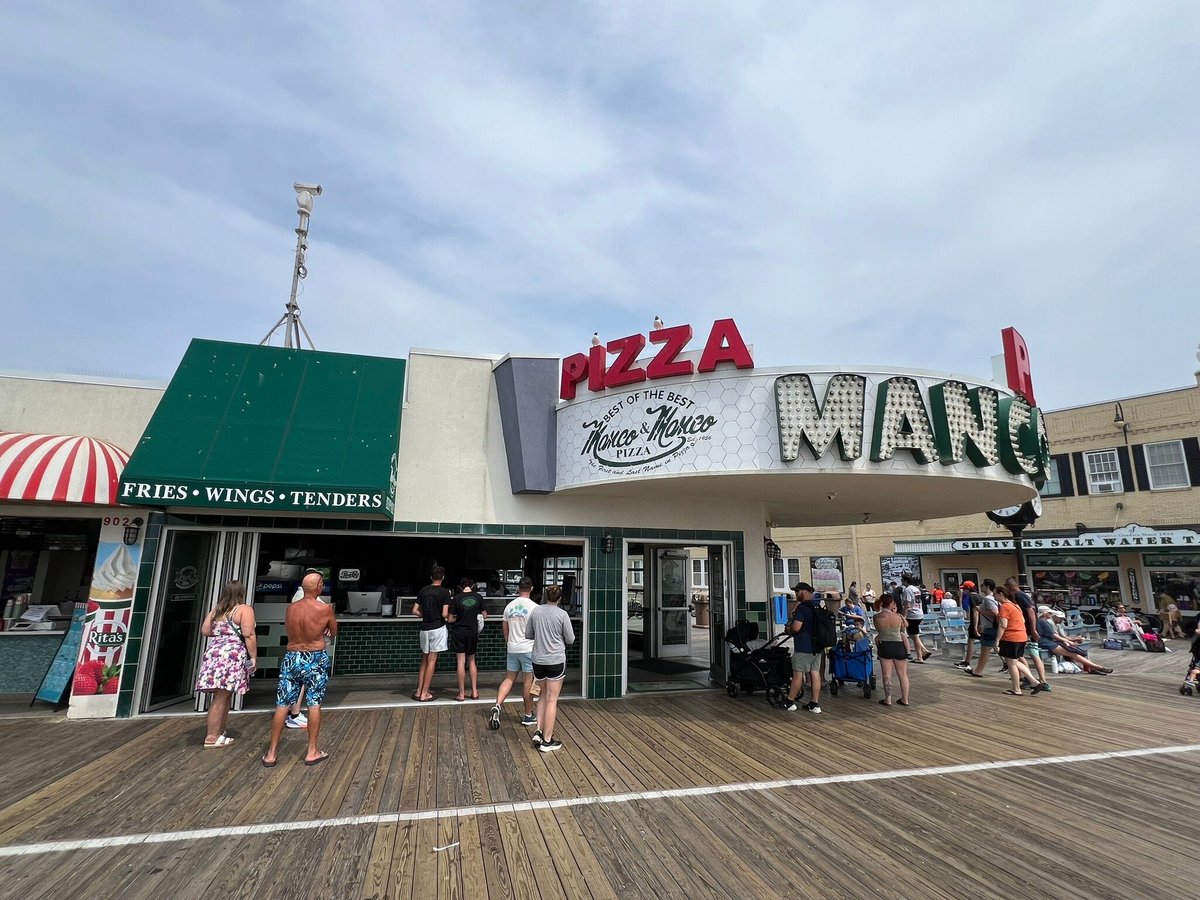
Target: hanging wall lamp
[609,543]
[1119,421]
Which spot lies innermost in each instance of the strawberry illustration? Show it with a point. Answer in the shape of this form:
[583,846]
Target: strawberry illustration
[111,686]
[83,684]
[93,668]
[92,606]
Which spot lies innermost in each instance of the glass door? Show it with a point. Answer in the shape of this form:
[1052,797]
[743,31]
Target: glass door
[674,632]
[186,587]
[952,579]
[718,590]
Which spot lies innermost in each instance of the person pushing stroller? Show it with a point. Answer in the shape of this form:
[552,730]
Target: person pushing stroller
[1193,673]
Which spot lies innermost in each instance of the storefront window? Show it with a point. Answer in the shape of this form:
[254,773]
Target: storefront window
[1175,576]
[1078,587]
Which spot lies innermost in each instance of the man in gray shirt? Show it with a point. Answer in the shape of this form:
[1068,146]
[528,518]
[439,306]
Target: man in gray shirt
[551,631]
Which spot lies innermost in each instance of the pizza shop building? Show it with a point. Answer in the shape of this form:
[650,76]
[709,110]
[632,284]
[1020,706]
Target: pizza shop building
[622,475]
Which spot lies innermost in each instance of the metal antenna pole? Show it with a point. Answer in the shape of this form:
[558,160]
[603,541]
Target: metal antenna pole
[290,320]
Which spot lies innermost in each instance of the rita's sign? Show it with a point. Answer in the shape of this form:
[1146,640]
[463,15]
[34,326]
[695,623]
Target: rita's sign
[723,347]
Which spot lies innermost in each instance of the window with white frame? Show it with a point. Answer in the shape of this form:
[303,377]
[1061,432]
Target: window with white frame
[1053,485]
[1103,472]
[1166,465]
[636,572]
[700,574]
[555,568]
[785,572]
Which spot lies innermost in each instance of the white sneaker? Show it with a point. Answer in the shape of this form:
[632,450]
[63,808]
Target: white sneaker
[300,721]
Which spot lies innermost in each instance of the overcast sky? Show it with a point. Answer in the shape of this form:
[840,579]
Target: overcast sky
[875,183]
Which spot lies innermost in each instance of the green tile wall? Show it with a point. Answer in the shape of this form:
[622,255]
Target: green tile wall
[602,631]
[395,648]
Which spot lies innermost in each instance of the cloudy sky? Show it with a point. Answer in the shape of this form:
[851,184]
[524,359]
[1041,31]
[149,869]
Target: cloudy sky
[880,183]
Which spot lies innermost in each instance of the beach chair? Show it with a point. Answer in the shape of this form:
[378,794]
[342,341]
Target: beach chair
[1134,637]
[1076,626]
[954,635]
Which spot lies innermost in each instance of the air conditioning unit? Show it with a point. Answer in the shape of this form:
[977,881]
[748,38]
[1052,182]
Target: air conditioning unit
[1106,487]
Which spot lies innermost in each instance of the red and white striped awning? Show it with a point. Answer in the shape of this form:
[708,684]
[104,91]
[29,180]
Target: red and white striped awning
[59,468]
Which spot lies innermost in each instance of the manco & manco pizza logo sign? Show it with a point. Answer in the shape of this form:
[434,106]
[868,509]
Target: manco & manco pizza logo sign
[644,430]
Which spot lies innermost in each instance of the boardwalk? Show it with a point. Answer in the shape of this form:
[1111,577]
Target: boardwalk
[592,821]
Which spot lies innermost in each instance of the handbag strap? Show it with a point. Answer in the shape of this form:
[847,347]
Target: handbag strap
[236,628]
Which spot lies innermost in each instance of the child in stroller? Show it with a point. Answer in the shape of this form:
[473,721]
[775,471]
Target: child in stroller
[850,659]
[1189,682]
[767,666]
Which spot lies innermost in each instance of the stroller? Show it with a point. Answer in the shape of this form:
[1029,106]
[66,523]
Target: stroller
[768,667]
[850,661]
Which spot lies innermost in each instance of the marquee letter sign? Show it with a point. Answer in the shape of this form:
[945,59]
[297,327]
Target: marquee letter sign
[723,347]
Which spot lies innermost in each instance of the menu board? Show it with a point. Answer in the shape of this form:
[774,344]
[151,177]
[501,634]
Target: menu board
[827,574]
[58,676]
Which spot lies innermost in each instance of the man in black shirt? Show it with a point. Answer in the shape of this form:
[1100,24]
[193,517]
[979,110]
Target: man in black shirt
[432,606]
[466,609]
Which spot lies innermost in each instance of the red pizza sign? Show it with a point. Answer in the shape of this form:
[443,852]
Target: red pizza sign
[724,346]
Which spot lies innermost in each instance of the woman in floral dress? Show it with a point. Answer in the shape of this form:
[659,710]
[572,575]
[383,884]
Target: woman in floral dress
[229,660]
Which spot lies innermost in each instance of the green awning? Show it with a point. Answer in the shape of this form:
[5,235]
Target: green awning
[272,430]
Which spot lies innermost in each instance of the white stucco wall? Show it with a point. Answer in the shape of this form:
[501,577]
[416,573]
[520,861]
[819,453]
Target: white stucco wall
[453,468]
[116,412]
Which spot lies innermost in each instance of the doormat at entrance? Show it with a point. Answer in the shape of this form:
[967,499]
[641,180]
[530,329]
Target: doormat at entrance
[664,666]
[666,686]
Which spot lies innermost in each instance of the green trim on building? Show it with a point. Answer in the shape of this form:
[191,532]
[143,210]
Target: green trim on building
[606,578]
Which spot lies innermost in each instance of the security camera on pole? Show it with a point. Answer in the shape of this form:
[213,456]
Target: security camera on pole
[290,320]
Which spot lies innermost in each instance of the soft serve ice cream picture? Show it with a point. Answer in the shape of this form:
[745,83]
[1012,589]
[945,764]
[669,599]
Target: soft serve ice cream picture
[106,627]
[114,576]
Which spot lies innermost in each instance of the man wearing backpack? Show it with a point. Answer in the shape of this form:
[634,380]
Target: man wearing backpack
[810,627]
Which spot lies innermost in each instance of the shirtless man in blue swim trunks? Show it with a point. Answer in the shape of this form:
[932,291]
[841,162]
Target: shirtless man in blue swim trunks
[305,666]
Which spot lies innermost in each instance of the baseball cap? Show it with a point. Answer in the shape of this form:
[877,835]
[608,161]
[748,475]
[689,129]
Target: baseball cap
[1044,609]
[1059,614]
[803,586]
[969,585]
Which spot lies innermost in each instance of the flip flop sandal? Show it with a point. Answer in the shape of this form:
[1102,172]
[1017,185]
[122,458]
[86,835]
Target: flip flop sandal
[428,699]
[221,741]
[1015,693]
[268,765]
[974,674]
[903,702]
[320,759]
[459,699]
[885,702]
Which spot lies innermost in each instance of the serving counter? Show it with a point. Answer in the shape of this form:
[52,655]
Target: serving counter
[391,645]
[25,655]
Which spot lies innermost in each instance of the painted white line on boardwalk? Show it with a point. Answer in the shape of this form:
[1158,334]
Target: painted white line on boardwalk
[202,834]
